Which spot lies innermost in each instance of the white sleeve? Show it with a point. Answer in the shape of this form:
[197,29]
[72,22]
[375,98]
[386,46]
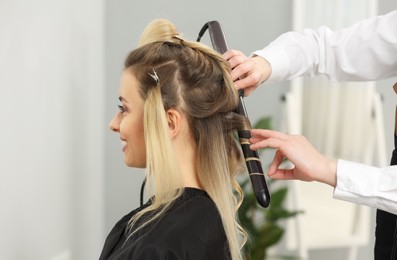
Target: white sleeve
[365,51]
[367,185]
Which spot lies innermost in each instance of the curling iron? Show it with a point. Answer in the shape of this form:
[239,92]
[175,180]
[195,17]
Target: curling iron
[252,160]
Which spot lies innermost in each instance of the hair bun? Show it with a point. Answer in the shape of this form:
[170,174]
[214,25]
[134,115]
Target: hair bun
[160,30]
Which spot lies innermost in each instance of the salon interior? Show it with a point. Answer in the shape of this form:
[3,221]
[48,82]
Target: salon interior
[63,183]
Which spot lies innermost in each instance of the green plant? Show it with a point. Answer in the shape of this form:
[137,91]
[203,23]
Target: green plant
[263,225]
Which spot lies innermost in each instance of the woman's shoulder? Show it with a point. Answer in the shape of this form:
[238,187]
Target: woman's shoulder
[197,211]
[192,226]
[194,199]
[194,210]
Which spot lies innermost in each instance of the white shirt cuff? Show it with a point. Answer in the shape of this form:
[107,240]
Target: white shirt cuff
[279,62]
[367,185]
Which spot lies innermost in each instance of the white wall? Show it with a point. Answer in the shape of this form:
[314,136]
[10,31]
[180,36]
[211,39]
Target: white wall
[51,105]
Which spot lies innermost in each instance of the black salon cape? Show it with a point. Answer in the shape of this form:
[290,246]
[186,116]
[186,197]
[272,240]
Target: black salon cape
[190,229]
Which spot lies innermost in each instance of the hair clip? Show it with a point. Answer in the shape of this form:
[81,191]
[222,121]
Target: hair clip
[155,77]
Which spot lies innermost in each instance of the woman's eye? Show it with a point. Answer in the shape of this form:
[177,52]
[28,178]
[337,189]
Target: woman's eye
[121,108]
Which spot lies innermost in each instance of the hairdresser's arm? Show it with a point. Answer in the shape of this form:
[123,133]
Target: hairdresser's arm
[353,182]
[367,185]
[365,51]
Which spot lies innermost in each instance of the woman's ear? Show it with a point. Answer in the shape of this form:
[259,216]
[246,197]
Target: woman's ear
[174,119]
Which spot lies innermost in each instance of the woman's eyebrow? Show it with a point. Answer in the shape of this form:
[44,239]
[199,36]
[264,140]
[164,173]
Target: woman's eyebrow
[122,99]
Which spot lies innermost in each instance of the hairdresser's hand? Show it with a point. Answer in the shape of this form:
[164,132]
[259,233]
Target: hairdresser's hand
[247,72]
[309,164]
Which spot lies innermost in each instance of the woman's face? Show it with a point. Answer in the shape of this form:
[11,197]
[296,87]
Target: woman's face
[128,122]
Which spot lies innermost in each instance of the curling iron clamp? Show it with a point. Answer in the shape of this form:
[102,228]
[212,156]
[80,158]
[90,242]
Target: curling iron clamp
[252,160]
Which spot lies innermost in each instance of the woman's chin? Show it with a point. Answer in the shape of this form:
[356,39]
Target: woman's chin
[133,164]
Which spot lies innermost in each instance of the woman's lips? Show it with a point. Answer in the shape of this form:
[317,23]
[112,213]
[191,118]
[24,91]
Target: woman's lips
[124,145]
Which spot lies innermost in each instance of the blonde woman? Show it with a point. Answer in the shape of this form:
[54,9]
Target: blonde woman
[176,120]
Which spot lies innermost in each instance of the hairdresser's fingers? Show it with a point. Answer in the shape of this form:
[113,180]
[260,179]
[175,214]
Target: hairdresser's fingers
[276,172]
[282,174]
[259,135]
[231,53]
[273,143]
[277,160]
[247,73]
[308,163]
[266,133]
[235,59]
[251,73]
[293,147]
[241,67]
[248,83]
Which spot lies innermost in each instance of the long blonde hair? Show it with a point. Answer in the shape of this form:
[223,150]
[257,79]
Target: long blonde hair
[194,79]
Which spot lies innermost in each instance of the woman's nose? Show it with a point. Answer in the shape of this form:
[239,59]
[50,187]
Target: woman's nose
[115,123]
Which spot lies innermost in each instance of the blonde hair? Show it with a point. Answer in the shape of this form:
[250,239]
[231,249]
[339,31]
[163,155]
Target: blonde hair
[194,79]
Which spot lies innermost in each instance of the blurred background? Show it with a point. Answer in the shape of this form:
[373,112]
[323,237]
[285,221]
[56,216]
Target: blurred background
[63,183]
